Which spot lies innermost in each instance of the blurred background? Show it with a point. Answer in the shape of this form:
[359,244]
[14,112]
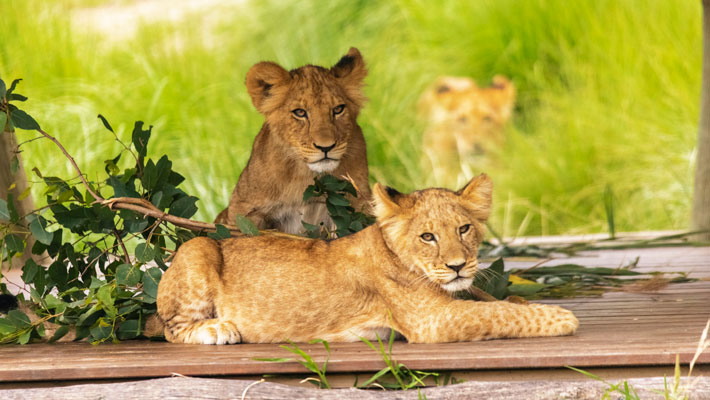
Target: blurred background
[606,109]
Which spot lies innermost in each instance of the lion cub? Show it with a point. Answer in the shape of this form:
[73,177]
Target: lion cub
[464,121]
[399,273]
[310,128]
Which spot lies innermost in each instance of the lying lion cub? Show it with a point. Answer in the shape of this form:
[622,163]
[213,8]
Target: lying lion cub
[399,273]
[310,129]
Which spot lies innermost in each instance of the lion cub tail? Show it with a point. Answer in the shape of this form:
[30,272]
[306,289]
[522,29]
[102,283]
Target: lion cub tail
[153,327]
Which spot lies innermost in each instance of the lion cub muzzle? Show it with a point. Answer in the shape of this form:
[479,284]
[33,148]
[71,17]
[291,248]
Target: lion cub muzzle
[327,159]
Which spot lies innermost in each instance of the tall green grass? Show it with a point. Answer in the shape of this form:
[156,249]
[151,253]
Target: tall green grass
[608,94]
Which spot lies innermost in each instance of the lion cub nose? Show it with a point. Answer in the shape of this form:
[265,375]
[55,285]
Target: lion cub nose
[324,149]
[456,265]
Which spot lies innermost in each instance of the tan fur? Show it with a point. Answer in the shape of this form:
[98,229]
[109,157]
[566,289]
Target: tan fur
[266,289]
[464,120]
[285,157]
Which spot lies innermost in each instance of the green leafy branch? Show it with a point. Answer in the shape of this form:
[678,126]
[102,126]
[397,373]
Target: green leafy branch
[104,254]
[334,192]
[564,281]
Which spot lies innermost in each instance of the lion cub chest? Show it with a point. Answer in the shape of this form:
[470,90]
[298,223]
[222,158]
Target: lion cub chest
[288,218]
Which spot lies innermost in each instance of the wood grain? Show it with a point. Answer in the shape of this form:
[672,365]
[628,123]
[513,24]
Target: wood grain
[196,388]
[618,329]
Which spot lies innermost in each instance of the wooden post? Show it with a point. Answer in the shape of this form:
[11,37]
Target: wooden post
[701,197]
[8,150]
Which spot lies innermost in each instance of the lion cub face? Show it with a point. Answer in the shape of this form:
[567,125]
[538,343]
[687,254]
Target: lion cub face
[469,117]
[312,109]
[436,231]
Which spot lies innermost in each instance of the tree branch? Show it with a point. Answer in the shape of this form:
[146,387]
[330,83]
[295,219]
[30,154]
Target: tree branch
[146,208]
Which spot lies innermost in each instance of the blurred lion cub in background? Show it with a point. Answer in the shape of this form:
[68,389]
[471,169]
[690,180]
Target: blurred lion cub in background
[464,120]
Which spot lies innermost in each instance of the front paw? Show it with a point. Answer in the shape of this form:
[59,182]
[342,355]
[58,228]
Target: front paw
[218,332]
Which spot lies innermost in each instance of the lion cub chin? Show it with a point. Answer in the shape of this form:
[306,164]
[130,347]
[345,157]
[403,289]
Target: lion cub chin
[398,274]
[310,128]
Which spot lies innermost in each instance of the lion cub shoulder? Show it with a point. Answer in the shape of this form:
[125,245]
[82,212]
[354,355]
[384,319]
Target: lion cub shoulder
[310,128]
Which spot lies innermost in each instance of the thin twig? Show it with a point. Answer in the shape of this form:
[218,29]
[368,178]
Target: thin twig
[123,246]
[73,163]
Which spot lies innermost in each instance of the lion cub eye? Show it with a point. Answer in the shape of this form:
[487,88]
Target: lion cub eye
[338,109]
[300,113]
[464,228]
[428,237]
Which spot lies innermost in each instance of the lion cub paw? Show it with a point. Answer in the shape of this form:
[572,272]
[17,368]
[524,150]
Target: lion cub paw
[218,332]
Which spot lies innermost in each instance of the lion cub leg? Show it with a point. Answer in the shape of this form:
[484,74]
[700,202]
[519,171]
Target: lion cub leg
[188,293]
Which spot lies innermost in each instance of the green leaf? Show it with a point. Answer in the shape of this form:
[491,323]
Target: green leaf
[22,120]
[6,326]
[105,122]
[53,303]
[104,295]
[13,85]
[19,319]
[129,329]
[4,212]
[144,252]
[59,333]
[338,200]
[310,192]
[128,275]
[58,274]
[3,89]
[184,207]
[16,96]
[151,279]
[38,228]
[96,283]
[25,338]
[15,166]
[120,189]
[100,333]
[29,271]
[246,226]
[525,290]
[140,139]
[14,243]
[221,233]
[494,280]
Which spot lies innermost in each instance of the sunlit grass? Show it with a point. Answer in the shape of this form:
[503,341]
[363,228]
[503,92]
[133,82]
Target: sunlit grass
[608,94]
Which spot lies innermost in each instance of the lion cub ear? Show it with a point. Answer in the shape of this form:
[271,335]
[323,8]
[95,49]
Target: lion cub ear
[350,72]
[479,194]
[266,81]
[384,201]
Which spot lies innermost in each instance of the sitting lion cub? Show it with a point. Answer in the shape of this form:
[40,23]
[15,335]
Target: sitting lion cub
[399,274]
[310,128]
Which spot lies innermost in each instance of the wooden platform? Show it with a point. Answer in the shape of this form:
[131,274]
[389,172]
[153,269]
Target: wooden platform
[619,330]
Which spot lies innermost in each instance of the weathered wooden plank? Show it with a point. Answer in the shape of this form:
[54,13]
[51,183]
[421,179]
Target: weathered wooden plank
[195,388]
[617,329]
